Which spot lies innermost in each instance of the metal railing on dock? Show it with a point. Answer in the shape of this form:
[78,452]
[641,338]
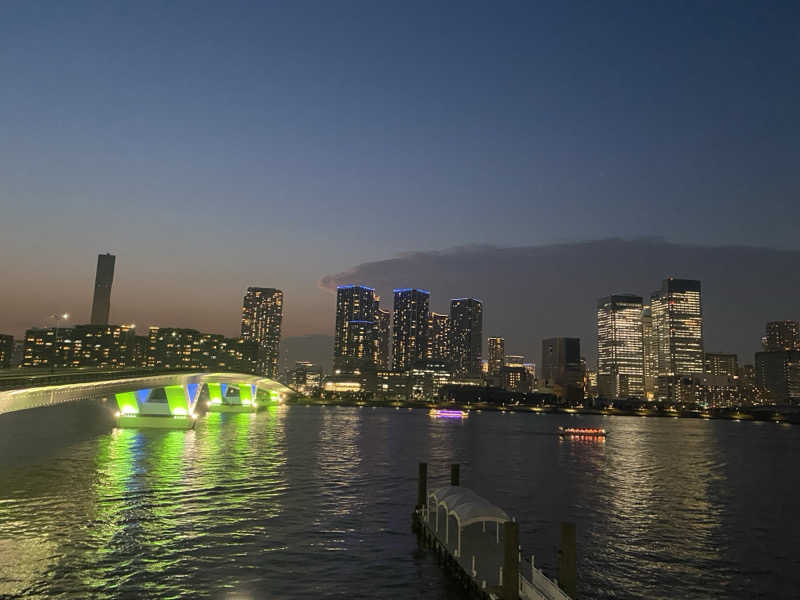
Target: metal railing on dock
[479,544]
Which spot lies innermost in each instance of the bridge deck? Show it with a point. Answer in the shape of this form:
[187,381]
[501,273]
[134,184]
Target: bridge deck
[51,395]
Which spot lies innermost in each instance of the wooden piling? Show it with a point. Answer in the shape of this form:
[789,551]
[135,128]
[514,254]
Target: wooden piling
[567,570]
[455,474]
[422,485]
[510,560]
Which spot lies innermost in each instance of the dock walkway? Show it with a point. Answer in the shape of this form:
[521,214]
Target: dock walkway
[479,543]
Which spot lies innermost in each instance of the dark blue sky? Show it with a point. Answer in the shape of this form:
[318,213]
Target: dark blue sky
[216,145]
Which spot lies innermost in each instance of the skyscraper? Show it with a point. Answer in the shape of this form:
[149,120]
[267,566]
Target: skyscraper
[677,314]
[384,337]
[650,354]
[497,354]
[561,363]
[782,335]
[410,327]
[466,334]
[777,369]
[777,375]
[356,342]
[620,352]
[262,313]
[439,338]
[103,279]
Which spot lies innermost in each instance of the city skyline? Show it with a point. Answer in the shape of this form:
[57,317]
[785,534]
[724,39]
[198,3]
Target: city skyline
[742,345]
[271,271]
[144,156]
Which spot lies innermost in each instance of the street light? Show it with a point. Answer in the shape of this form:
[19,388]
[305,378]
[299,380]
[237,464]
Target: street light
[58,318]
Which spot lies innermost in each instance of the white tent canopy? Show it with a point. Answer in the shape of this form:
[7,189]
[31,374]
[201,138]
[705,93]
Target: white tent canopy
[467,506]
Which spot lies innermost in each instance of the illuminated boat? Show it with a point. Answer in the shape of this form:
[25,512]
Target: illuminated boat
[582,432]
[444,413]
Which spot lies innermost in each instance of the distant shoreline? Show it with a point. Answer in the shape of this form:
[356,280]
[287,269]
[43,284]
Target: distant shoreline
[759,414]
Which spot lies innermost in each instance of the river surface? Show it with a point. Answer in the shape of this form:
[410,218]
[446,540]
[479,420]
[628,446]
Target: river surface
[309,502]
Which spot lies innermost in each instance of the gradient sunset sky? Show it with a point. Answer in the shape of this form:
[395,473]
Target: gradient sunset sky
[217,145]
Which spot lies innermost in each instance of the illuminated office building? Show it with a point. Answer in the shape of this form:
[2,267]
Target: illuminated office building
[721,365]
[782,335]
[262,314]
[497,354]
[103,279]
[410,327]
[306,378]
[620,353]
[439,338]
[514,360]
[650,354]
[677,315]
[466,334]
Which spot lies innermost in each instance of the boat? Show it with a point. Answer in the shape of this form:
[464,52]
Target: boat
[581,432]
[444,413]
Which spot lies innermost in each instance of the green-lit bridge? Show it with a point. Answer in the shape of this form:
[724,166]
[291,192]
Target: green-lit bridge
[170,400]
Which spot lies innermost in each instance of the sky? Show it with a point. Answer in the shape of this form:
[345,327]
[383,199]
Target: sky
[212,146]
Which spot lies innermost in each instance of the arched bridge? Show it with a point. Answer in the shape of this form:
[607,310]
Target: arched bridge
[179,394]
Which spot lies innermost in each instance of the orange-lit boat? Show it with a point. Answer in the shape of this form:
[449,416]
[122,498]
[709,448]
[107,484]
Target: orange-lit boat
[582,431]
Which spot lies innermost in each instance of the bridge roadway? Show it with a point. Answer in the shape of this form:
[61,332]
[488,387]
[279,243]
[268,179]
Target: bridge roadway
[53,395]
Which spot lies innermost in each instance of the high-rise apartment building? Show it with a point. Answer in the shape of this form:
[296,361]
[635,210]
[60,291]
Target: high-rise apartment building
[103,279]
[439,338]
[171,348]
[410,327]
[497,354]
[620,352]
[384,337]
[782,335]
[361,345]
[466,334]
[103,346]
[357,342]
[677,314]
[262,314]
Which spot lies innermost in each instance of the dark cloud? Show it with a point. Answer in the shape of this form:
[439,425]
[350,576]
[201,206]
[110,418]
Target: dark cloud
[535,292]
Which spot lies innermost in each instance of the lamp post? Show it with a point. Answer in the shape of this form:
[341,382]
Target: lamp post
[58,318]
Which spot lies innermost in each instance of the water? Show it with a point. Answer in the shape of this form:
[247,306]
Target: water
[316,501]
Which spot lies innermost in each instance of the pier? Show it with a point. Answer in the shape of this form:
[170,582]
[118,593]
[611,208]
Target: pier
[478,544]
